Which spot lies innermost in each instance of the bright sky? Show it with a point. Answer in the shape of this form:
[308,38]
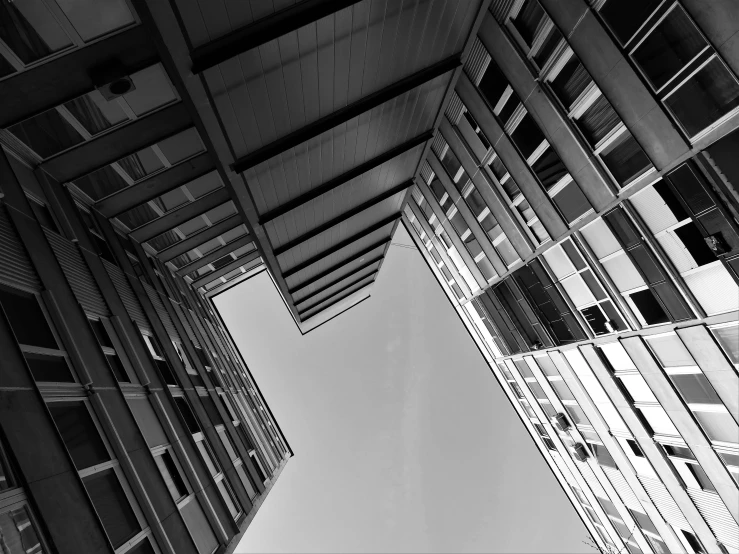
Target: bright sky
[403,440]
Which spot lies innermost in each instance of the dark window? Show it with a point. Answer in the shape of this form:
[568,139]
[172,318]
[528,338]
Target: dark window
[649,307]
[528,20]
[451,163]
[221,262]
[701,477]
[79,433]
[184,407]
[708,95]
[571,202]
[693,240]
[549,168]
[693,541]
[695,388]
[46,134]
[211,410]
[571,82]
[508,108]
[673,202]
[625,159]
[171,475]
[527,136]
[49,368]
[101,334]
[112,506]
[476,129]
[26,319]
[258,468]
[624,17]
[635,448]
[603,456]
[668,47]
[43,215]
[144,547]
[498,169]
[595,318]
[493,84]
[554,38]
[598,120]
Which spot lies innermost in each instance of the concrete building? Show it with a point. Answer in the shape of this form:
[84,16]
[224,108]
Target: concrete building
[579,208]
[567,169]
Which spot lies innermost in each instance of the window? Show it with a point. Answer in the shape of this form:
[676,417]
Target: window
[728,337]
[603,456]
[694,388]
[678,62]
[155,350]
[100,472]
[100,329]
[584,289]
[687,467]
[171,474]
[624,158]
[218,475]
[731,460]
[35,336]
[18,527]
[650,532]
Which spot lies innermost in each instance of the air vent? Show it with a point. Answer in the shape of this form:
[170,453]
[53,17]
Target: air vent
[112,80]
[561,422]
[579,452]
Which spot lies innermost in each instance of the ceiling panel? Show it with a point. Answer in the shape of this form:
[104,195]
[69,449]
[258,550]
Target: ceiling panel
[330,237]
[323,295]
[343,270]
[334,152]
[337,257]
[329,301]
[351,194]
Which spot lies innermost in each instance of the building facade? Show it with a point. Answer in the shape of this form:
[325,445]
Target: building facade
[579,208]
[567,169]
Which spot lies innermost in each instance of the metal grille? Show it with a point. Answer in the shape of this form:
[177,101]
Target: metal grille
[426,172]
[664,503]
[439,146]
[16,267]
[128,297]
[500,9]
[78,275]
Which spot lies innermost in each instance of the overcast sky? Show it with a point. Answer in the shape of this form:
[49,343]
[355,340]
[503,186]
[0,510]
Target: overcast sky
[403,440]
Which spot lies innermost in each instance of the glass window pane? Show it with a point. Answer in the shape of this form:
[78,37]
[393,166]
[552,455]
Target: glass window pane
[144,547]
[152,91]
[18,533]
[624,17]
[577,415]
[47,133]
[671,351]
[228,498]
[30,30]
[208,458]
[95,113]
[625,159]
[708,95]
[188,416]
[562,390]
[669,47]
[93,18]
[719,426]
[728,337]
[695,388]
[112,506]
[171,475]
[49,368]
[638,388]
[79,433]
[649,308]
[659,421]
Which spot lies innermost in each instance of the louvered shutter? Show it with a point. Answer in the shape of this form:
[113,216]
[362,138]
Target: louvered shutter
[439,146]
[717,516]
[454,109]
[156,300]
[15,265]
[599,120]
[78,275]
[128,297]
[705,284]
[188,328]
[479,59]
[664,503]
[622,488]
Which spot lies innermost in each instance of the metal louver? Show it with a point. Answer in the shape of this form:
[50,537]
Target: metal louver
[717,516]
[16,267]
[128,297]
[664,503]
[78,275]
[478,60]
[454,109]
[162,312]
